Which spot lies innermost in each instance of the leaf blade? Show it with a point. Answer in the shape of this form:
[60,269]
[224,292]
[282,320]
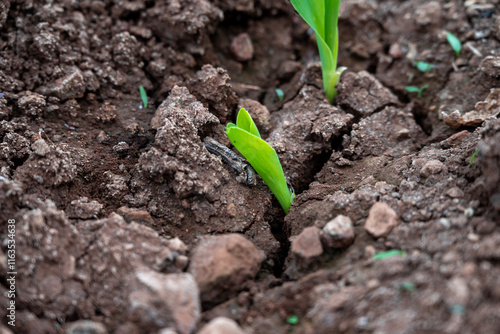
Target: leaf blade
[245,122]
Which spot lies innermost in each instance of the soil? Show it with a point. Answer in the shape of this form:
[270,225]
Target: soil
[124,222]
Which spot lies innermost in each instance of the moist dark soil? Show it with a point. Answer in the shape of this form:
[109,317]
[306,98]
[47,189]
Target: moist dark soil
[123,222]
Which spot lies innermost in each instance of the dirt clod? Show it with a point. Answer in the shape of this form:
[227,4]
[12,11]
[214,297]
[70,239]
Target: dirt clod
[221,325]
[242,47]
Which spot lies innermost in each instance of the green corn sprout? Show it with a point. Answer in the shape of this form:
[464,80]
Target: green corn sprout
[245,136]
[455,43]
[423,66]
[280,94]
[415,89]
[389,253]
[472,158]
[322,16]
[144,96]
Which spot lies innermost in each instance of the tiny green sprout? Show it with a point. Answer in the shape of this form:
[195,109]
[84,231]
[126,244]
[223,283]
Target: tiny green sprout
[389,253]
[245,136]
[423,66]
[407,286]
[292,320]
[455,43]
[472,158]
[322,16]
[415,89]
[280,93]
[144,96]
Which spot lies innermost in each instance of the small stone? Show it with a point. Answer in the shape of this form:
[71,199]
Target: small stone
[135,215]
[403,134]
[307,244]
[121,148]
[491,66]
[455,193]
[85,327]
[381,220]
[40,147]
[221,325]
[472,237]
[242,47]
[395,51]
[338,233]
[102,137]
[433,167]
[445,222]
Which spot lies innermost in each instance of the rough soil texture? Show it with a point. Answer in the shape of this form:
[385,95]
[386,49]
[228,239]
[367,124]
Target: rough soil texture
[126,223]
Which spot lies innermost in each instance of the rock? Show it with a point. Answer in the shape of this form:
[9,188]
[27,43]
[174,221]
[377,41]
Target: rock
[491,66]
[338,233]
[242,47]
[222,264]
[121,148]
[135,215]
[433,167]
[40,147]
[102,137]
[260,114]
[71,86]
[82,208]
[483,110]
[455,193]
[32,104]
[363,93]
[381,220]
[307,244]
[165,300]
[85,327]
[221,325]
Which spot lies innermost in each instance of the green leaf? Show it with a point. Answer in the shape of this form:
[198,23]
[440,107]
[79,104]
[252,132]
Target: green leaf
[245,122]
[144,96]
[389,253]
[261,156]
[292,320]
[280,93]
[407,286]
[412,89]
[455,43]
[472,158]
[322,16]
[423,66]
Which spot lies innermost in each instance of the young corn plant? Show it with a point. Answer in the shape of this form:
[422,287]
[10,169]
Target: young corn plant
[322,16]
[245,136]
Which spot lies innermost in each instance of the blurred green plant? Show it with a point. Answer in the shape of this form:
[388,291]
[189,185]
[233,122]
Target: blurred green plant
[455,43]
[389,253]
[144,96]
[415,89]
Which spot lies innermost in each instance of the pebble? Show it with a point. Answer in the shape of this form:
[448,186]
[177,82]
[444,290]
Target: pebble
[338,233]
[121,148]
[135,215]
[82,208]
[455,193]
[85,327]
[242,47]
[40,147]
[445,222]
[102,137]
[381,220]
[221,325]
[432,167]
[307,244]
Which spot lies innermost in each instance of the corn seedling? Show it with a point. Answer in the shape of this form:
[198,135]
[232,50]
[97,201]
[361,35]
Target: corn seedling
[423,66]
[415,89]
[389,253]
[144,96]
[245,136]
[280,94]
[455,43]
[472,158]
[322,16]
[292,320]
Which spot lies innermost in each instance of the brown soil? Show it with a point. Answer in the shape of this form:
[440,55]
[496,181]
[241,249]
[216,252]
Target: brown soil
[126,223]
